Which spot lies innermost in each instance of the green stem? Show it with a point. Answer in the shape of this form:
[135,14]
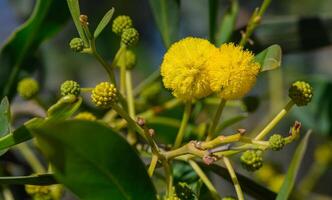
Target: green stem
[216,119]
[275,121]
[153,164]
[31,158]
[184,122]
[86,89]
[123,80]
[132,138]
[236,183]
[169,178]
[254,21]
[204,178]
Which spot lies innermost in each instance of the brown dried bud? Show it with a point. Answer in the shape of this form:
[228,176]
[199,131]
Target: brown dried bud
[140,121]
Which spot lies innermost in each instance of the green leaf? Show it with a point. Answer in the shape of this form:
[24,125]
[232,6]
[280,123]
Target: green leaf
[228,23]
[269,58]
[213,12]
[166,14]
[4,117]
[75,12]
[64,108]
[20,135]
[103,23]
[93,161]
[47,18]
[38,179]
[248,186]
[288,184]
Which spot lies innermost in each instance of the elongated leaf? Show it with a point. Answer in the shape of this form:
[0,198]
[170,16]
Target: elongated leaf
[227,25]
[20,135]
[38,179]
[289,182]
[270,58]
[4,117]
[248,186]
[213,13]
[22,44]
[93,161]
[74,8]
[103,23]
[166,14]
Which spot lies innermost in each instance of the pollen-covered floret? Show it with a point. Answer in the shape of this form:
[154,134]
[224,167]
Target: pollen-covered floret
[27,88]
[104,94]
[184,68]
[276,142]
[70,87]
[129,36]
[121,23]
[76,44]
[86,116]
[252,160]
[301,93]
[232,71]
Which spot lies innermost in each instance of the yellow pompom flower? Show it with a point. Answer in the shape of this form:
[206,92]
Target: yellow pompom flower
[184,68]
[232,71]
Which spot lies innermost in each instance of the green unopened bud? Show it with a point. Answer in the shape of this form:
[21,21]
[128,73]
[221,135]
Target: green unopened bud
[252,160]
[76,44]
[276,142]
[38,192]
[27,88]
[85,116]
[127,60]
[121,23]
[70,87]
[130,36]
[184,192]
[301,93]
[104,94]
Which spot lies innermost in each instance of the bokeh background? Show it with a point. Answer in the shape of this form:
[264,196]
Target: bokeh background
[302,28]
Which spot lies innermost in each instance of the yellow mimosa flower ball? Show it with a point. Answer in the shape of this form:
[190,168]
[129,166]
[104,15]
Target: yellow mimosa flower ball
[184,68]
[232,71]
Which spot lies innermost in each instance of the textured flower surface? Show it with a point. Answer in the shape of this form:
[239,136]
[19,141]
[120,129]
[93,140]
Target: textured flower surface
[104,94]
[232,71]
[184,68]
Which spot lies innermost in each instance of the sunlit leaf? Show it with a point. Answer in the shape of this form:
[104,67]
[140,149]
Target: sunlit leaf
[103,23]
[269,58]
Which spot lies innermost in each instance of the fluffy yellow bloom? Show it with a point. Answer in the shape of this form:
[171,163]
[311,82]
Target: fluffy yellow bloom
[232,71]
[184,68]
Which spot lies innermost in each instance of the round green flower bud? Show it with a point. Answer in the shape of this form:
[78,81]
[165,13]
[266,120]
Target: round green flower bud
[121,23]
[301,93]
[276,142]
[76,44]
[104,94]
[70,87]
[130,36]
[85,116]
[39,192]
[228,198]
[252,160]
[27,88]
[127,59]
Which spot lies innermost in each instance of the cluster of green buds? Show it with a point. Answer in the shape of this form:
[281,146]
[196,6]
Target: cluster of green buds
[123,26]
[184,192]
[277,142]
[104,94]
[301,93]
[70,87]
[127,60]
[28,88]
[252,160]
[76,44]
